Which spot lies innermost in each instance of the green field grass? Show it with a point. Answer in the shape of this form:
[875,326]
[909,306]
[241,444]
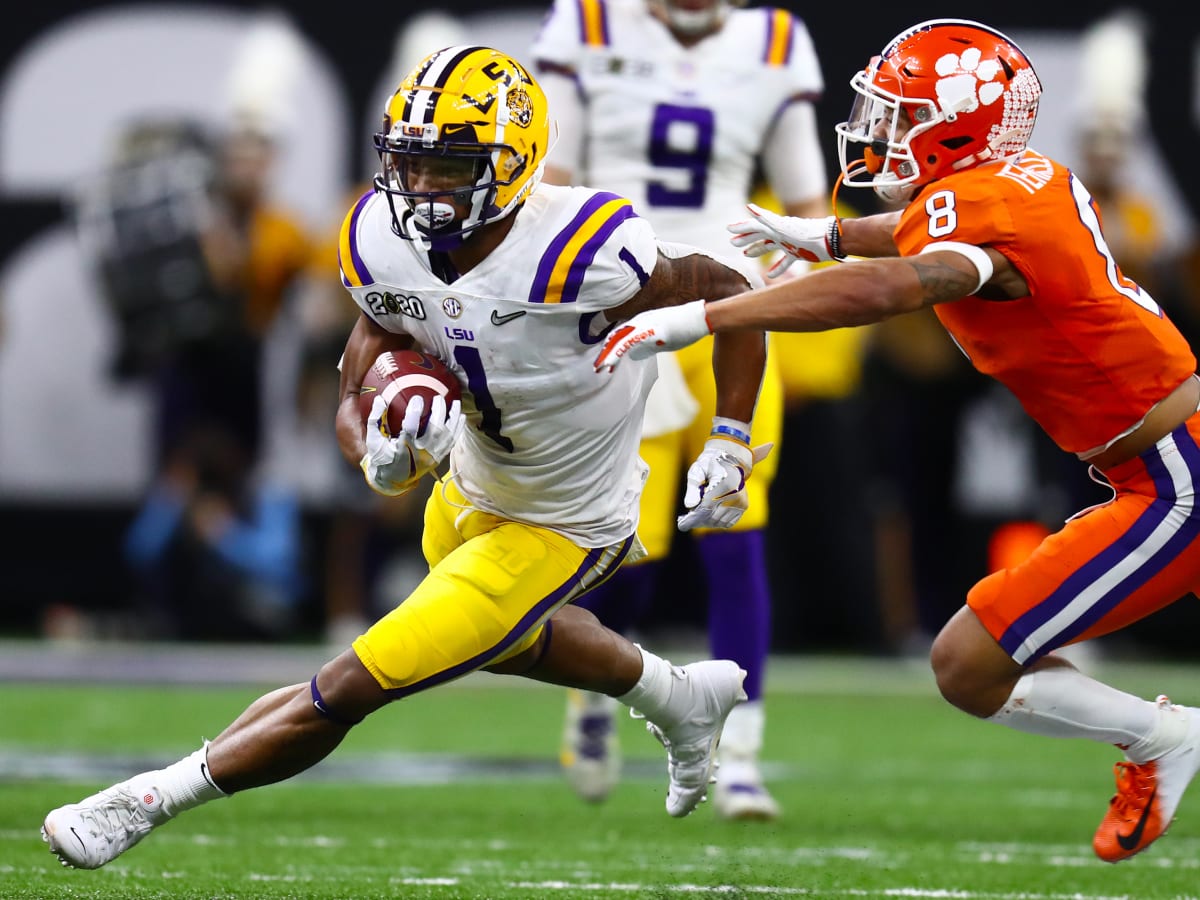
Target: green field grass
[887,792]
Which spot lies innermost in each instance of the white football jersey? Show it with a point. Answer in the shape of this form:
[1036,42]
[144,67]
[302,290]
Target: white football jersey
[549,441]
[678,130]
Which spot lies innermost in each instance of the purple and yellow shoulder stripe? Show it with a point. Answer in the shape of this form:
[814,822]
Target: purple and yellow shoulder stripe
[593,23]
[778,49]
[561,270]
[353,269]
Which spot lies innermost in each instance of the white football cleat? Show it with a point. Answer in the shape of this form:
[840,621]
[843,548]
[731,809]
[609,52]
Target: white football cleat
[591,752]
[740,794]
[99,828]
[716,688]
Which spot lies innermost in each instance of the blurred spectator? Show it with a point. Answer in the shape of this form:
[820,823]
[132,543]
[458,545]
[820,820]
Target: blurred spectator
[196,263]
[216,551]
[1111,122]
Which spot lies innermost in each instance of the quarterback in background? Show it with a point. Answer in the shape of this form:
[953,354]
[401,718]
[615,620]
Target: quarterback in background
[678,105]
[1006,245]
[458,252]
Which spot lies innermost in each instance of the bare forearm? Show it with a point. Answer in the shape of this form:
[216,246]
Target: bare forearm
[348,427]
[857,293]
[870,236]
[738,361]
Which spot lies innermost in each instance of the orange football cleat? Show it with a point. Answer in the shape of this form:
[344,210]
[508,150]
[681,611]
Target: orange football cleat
[1148,794]
[1134,819]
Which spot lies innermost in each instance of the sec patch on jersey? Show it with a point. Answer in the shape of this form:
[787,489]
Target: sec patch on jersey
[400,375]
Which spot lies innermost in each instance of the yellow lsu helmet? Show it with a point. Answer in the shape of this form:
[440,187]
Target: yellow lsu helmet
[473,112]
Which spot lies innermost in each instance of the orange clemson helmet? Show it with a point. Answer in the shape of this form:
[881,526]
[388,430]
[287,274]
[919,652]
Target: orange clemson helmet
[944,95]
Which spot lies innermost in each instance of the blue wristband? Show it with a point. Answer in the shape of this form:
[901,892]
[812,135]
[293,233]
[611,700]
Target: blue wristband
[731,432]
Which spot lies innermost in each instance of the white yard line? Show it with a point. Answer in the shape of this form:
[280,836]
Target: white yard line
[765,890]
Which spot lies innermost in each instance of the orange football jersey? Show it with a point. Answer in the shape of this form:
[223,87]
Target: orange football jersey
[1087,352]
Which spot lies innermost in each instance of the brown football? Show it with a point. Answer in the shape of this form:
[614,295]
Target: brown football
[400,375]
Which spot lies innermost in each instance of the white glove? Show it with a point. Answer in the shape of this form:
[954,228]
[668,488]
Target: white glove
[716,483]
[654,331]
[815,240]
[392,465]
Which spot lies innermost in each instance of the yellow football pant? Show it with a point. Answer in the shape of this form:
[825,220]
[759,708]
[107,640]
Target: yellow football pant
[492,584]
[669,455]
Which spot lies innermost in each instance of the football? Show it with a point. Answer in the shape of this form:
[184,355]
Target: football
[400,375]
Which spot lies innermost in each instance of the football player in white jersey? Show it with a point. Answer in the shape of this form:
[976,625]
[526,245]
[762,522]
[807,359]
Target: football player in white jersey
[677,104]
[458,252]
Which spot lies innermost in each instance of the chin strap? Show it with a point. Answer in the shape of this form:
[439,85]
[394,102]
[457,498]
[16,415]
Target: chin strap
[834,236]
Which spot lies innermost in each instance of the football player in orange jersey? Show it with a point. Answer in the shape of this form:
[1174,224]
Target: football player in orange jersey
[1006,246]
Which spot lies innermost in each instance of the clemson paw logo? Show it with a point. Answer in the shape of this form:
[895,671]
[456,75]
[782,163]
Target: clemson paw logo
[966,82]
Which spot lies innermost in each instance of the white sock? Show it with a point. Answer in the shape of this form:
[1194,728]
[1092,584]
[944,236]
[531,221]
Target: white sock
[187,784]
[743,733]
[654,691]
[1063,702]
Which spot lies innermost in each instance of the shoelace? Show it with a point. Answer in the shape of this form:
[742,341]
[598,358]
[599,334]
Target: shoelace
[1134,786]
[116,817]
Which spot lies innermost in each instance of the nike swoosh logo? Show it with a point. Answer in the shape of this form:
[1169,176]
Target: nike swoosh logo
[498,319]
[1131,840]
[207,777]
[78,838]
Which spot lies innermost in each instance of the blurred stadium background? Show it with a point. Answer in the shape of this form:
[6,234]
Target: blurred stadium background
[76,441]
[86,702]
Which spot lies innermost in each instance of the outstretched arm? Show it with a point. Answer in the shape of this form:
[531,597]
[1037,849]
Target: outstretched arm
[863,292]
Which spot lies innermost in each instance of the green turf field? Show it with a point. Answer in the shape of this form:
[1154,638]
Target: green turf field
[887,792]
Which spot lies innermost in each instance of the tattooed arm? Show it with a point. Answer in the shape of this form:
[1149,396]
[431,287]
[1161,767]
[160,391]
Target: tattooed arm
[739,358]
[865,291]
[681,278]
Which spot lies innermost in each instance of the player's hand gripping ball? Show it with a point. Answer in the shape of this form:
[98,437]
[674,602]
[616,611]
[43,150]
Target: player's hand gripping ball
[400,375]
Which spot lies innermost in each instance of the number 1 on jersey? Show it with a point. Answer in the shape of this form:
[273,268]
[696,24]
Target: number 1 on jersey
[470,360]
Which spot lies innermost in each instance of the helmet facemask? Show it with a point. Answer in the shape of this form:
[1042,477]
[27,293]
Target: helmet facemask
[465,176]
[884,126]
[944,96]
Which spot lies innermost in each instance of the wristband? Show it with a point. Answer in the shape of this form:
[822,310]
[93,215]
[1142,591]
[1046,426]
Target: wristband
[833,237]
[730,428]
